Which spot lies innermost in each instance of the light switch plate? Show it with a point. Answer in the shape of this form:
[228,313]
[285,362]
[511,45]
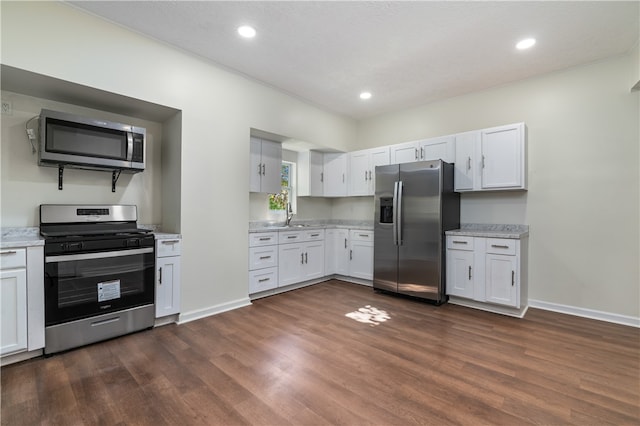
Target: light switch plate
[7,109]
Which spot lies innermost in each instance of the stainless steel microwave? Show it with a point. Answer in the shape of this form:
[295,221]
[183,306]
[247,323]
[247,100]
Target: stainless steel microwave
[90,143]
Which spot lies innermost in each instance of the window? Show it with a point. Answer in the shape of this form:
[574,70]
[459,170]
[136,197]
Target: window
[287,194]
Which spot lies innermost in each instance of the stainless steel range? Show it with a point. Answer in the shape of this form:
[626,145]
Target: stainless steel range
[99,274]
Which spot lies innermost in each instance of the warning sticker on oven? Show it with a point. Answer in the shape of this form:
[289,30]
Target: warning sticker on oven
[108,290]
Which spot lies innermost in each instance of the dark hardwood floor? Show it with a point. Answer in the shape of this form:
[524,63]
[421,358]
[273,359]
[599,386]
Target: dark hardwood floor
[296,358]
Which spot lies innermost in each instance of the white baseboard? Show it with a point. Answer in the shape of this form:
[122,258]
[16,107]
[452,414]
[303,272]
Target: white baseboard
[213,310]
[586,313]
[19,357]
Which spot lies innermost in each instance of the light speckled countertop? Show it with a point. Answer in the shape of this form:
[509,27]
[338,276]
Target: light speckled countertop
[264,226]
[491,230]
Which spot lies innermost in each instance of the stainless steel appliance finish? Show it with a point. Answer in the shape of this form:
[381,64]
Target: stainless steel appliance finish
[89,143]
[414,205]
[99,274]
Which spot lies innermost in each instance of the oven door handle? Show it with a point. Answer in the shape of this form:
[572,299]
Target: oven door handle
[99,255]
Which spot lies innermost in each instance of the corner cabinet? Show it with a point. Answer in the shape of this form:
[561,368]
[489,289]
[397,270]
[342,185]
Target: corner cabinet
[362,169]
[491,159]
[265,166]
[335,175]
[310,174]
[488,273]
[168,254]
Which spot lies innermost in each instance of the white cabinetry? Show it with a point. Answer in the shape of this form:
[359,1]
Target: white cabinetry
[361,254]
[168,252]
[336,254]
[362,169]
[491,159]
[300,256]
[13,294]
[310,174]
[423,150]
[263,261]
[21,302]
[491,271]
[335,175]
[265,166]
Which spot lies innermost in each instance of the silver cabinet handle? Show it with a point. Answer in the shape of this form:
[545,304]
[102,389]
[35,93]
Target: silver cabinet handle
[343,178]
[369,174]
[499,246]
[160,277]
[513,278]
[263,169]
[365,175]
[8,252]
[468,163]
[321,176]
[302,258]
[364,235]
[314,235]
[169,241]
[345,243]
[265,238]
[292,236]
[306,257]
[469,272]
[483,161]
[350,254]
[422,153]
[416,153]
[265,257]
[459,242]
[263,280]
[259,169]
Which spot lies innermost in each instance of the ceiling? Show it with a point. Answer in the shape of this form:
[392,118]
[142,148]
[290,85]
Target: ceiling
[404,53]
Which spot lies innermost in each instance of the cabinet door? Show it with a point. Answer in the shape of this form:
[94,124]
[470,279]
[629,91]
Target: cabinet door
[310,173]
[465,161]
[404,153]
[361,258]
[290,263]
[255,166]
[313,261]
[502,157]
[335,175]
[13,299]
[460,273]
[501,280]
[342,252]
[271,167]
[379,157]
[438,148]
[359,172]
[330,252]
[167,286]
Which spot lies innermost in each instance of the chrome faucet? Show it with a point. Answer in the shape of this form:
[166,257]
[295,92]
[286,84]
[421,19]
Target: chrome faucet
[289,214]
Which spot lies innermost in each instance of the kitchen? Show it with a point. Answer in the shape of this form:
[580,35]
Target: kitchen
[569,114]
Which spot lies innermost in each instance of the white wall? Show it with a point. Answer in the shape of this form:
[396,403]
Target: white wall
[24,185]
[583,200]
[218,110]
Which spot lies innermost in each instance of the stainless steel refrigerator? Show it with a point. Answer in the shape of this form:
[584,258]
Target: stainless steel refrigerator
[414,205]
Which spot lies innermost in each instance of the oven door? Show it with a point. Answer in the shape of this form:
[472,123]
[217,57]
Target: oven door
[87,284]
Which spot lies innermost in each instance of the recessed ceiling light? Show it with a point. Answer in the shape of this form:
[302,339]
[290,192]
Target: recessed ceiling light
[247,31]
[365,95]
[526,43]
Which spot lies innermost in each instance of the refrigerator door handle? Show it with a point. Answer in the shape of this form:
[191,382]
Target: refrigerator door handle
[394,219]
[399,213]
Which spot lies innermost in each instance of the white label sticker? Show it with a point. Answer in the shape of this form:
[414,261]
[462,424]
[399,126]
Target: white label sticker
[108,290]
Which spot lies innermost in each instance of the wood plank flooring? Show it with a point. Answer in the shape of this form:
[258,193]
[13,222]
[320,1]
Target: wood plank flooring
[297,359]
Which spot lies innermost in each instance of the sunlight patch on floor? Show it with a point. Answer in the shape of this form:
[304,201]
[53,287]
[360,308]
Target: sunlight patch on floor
[369,315]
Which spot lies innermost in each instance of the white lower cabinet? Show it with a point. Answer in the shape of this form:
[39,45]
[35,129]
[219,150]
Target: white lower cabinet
[336,251]
[361,254]
[168,261]
[263,261]
[299,262]
[13,299]
[491,271]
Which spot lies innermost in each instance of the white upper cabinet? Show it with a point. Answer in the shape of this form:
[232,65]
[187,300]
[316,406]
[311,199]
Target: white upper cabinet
[310,174]
[491,159]
[335,175]
[265,166]
[404,153]
[442,148]
[362,169]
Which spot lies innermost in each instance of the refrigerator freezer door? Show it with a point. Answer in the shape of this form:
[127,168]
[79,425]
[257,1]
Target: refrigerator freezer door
[419,254]
[385,252]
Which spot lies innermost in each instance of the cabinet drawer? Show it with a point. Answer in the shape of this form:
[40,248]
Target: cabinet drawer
[263,279]
[13,258]
[169,247]
[455,242]
[501,246]
[315,235]
[263,239]
[359,235]
[290,237]
[263,257]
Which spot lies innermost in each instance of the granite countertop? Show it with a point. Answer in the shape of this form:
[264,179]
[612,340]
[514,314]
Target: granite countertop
[491,230]
[20,237]
[301,225]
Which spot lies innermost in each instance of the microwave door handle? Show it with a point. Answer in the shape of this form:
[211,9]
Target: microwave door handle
[129,146]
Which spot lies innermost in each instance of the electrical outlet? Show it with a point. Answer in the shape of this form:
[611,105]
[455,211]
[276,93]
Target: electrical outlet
[7,109]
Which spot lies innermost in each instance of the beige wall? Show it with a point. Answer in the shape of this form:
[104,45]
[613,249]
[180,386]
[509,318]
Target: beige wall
[582,204]
[218,109]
